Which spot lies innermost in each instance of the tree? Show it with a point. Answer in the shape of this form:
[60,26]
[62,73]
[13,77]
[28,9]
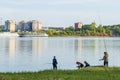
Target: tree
[100,28]
[87,33]
[116,30]
[86,27]
[2,28]
[92,26]
[71,28]
[51,32]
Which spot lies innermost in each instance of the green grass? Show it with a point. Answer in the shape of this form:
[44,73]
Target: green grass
[80,74]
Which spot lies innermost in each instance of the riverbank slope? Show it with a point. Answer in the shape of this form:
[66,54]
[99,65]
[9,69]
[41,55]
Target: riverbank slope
[92,73]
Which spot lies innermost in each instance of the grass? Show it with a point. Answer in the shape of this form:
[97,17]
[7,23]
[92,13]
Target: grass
[96,73]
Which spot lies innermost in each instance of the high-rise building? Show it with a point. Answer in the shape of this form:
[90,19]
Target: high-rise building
[36,25]
[78,25]
[20,26]
[28,26]
[10,25]
[13,26]
[6,25]
[39,26]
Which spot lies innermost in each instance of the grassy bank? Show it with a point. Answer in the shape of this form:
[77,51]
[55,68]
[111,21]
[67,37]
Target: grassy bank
[81,74]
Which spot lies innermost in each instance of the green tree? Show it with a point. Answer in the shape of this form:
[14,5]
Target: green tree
[87,33]
[86,27]
[116,30]
[71,28]
[92,26]
[51,32]
[1,28]
[100,28]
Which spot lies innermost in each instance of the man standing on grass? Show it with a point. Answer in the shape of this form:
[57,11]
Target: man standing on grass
[105,58]
[54,62]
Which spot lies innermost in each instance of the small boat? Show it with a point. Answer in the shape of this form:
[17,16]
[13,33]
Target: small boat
[34,35]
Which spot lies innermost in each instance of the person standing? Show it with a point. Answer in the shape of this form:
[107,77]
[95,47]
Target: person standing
[105,58]
[54,62]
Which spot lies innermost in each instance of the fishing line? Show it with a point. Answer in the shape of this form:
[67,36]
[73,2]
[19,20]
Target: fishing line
[105,45]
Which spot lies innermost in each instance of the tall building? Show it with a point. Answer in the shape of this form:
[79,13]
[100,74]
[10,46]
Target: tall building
[13,26]
[20,26]
[36,25]
[6,25]
[78,25]
[28,26]
[39,26]
[10,25]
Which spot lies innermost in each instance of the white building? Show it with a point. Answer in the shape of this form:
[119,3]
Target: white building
[13,26]
[36,25]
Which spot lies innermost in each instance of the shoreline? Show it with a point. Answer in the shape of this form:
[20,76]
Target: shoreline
[97,73]
[88,68]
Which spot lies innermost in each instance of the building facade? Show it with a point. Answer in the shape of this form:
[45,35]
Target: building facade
[13,26]
[10,26]
[78,25]
[36,25]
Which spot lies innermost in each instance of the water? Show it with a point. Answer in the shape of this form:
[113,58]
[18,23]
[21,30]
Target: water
[36,53]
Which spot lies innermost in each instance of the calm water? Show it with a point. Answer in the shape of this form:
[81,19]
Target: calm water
[34,54]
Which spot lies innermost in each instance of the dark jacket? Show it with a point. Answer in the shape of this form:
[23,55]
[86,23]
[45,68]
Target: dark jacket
[54,61]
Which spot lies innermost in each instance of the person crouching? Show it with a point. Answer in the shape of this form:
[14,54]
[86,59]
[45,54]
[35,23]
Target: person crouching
[80,65]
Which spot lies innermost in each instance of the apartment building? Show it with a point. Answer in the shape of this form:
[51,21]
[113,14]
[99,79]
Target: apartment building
[13,26]
[78,25]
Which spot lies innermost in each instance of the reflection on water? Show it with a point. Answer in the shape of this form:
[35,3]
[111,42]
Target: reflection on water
[12,44]
[34,54]
[78,49]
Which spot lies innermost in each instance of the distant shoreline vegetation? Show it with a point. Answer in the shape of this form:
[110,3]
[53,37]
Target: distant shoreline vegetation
[86,31]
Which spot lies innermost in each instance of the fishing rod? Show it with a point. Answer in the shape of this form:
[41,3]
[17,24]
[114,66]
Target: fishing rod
[52,64]
[105,45]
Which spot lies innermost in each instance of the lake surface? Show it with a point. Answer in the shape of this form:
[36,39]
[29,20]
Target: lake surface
[36,53]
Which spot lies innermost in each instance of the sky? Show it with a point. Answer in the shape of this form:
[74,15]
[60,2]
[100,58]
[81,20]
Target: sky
[61,13]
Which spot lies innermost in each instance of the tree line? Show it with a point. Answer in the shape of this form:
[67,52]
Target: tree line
[87,30]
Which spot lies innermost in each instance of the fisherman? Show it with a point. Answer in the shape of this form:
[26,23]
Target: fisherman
[54,62]
[86,64]
[80,65]
[105,58]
